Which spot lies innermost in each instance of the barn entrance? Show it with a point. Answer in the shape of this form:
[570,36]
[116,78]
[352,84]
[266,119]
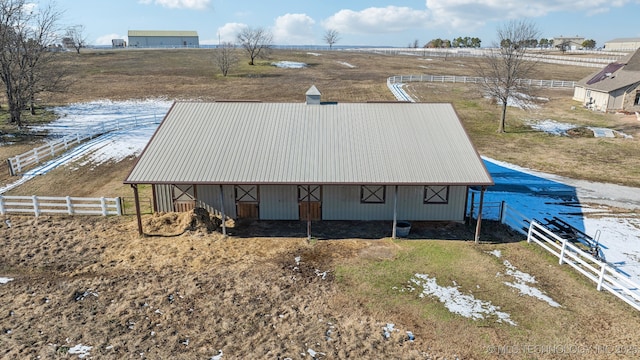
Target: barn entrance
[310,202]
[183,197]
[247,200]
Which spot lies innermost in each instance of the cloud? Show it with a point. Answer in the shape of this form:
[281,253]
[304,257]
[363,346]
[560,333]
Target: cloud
[229,31]
[293,29]
[377,20]
[106,39]
[471,14]
[179,4]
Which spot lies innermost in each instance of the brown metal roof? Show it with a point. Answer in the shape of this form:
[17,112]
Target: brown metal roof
[296,143]
[614,76]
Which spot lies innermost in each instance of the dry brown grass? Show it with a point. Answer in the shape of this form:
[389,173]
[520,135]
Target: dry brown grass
[93,281]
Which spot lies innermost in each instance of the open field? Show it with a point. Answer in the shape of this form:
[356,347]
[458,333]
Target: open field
[267,292]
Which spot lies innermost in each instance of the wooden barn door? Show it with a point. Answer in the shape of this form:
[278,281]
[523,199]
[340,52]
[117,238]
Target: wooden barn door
[310,202]
[184,198]
[247,200]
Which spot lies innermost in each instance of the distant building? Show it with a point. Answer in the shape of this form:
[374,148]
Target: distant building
[569,43]
[616,87]
[622,44]
[163,39]
[118,43]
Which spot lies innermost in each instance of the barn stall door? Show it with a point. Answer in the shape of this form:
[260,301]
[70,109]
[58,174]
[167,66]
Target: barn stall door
[247,200]
[184,198]
[310,202]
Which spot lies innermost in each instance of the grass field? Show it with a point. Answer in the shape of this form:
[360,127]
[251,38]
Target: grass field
[188,294]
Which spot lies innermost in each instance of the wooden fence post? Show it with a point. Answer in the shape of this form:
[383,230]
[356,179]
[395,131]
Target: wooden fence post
[119,206]
[530,232]
[2,211]
[503,212]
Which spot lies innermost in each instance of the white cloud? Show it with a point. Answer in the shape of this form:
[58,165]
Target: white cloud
[179,4]
[377,20]
[106,39]
[229,31]
[293,29]
[471,14]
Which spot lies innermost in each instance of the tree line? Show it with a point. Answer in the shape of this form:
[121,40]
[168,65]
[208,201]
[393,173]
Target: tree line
[474,42]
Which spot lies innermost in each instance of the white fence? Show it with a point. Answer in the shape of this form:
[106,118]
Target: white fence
[553,84]
[32,157]
[606,277]
[38,205]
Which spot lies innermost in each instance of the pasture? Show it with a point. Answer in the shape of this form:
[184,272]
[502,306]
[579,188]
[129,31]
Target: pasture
[91,285]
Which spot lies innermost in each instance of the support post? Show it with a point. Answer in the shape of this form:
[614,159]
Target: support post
[137,202]
[309,212]
[224,217]
[479,221]
[395,212]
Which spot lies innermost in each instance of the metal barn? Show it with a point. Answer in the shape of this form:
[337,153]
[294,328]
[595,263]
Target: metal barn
[163,39]
[312,161]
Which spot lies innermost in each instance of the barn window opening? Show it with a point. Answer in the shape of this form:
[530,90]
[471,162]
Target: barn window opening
[372,194]
[246,193]
[436,194]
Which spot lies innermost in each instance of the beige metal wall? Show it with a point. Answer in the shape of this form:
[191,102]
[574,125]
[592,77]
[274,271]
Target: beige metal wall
[343,203]
[339,202]
[279,202]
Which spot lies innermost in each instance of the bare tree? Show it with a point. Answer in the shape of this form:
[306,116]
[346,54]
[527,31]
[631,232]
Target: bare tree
[225,57]
[76,38]
[25,34]
[256,42]
[331,37]
[503,69]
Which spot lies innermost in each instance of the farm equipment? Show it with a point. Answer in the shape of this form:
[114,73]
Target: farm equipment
[570,233]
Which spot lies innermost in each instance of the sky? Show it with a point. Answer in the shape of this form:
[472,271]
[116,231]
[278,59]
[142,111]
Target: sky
[359,23]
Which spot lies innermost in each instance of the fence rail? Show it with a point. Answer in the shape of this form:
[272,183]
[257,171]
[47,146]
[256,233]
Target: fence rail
[605,276]
[552,84]
[60,205]
[49,150]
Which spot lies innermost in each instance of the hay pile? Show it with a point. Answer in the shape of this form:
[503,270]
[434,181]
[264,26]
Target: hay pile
[174,224]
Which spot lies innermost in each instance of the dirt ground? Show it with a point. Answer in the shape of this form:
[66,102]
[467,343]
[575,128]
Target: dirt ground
[265,291]
[185,294]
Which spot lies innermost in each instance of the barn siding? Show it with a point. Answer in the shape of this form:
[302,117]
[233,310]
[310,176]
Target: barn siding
[343,203]
[162,196]
[279,202]
[208,198]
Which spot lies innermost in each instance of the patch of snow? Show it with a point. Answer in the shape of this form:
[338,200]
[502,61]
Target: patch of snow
[217,357]
[559,128]
[81,350]
[314,54]
[5,280]
[521,284]
[388,329]
[496,253]
[459,303]
[289,64]
[346,64]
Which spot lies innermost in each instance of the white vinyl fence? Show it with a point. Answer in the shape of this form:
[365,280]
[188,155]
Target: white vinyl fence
[39,205]
[551,84]
[47,151]
[605,276]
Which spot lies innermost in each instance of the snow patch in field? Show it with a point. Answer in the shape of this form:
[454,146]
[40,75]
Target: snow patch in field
[289,64]
[346,64]
[5,280]
[559,128]
[457,302]
[81,350]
